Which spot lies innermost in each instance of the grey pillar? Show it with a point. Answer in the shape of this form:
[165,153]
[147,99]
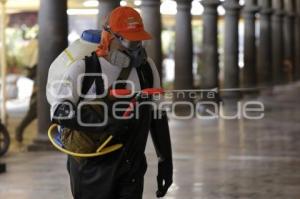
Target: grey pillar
[152,22]
[289,39]
[210,76]
[105,7]
[277,41]
[249,72]
[53,34]
[231,70]
[264,62]
[297,41]
[183,46]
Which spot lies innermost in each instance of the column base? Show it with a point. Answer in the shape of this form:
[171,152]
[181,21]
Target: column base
[41,143]
[209,105]
[266,95]
[250,95]
[231,95]
[2,168]
[229,105]
[183,111]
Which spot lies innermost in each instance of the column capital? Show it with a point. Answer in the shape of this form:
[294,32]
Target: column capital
[232,6]
[150,3]
[289,7]
[184,4]
[277,4]
[210,6]
[210,3]
[265,3]
[251,7]
[278,9]
[266,7]
[266,11]
[183,1]
[297,8]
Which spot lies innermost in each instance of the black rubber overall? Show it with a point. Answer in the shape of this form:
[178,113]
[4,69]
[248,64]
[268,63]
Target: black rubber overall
[118,175]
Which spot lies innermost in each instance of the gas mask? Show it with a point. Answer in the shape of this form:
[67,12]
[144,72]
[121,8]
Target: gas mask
[134,54]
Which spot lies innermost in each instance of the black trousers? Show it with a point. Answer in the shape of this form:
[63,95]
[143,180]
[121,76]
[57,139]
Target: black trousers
[108,178]
[29,117]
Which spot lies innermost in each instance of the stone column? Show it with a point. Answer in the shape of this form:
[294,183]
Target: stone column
[183,54]
[152,22]
[53,34]
[183,46]
[264,62]
[210,76]
[231,70]
[249,72]
[105,7]
[289,61]
[297,42]
[277,41]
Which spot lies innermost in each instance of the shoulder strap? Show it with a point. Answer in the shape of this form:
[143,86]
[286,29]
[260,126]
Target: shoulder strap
[92,65]
[145,75]
[98,79]
[124,74]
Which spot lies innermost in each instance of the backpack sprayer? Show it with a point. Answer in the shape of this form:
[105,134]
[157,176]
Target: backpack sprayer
[77,50]
[54,131]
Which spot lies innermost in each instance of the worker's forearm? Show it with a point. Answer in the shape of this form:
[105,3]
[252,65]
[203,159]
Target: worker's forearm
[161,137]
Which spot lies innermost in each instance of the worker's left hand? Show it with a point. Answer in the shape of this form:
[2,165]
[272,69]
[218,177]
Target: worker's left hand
[164,177]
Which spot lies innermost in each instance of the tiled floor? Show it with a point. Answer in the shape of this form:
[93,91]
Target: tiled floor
[213,159]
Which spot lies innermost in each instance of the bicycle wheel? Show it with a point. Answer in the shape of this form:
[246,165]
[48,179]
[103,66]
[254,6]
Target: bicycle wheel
[4,140]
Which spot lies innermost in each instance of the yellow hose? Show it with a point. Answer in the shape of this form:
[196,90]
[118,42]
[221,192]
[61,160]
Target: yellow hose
[104,144]
[100,151]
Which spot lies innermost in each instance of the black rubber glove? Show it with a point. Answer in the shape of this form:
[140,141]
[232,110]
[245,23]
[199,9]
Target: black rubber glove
[161,138]
[164,177]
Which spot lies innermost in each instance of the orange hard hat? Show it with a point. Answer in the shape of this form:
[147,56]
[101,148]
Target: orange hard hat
[123,21]
[127,23]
